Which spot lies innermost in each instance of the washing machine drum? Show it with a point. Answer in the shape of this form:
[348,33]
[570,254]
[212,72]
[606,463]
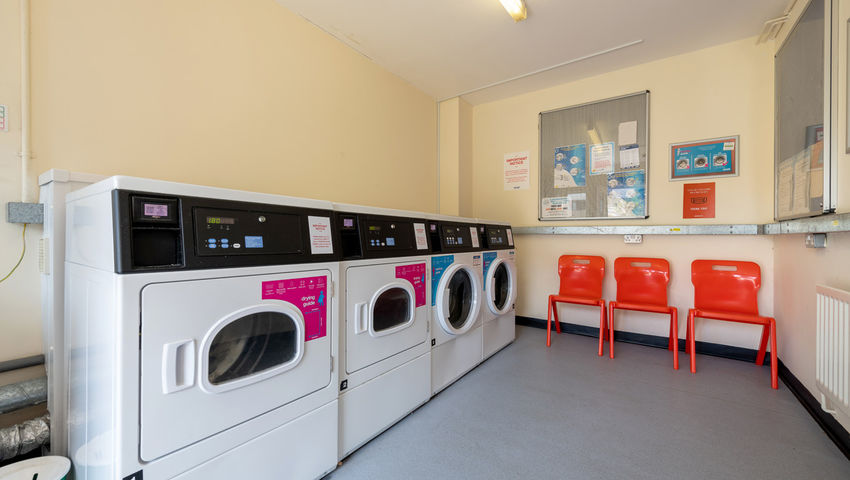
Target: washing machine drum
[501,287]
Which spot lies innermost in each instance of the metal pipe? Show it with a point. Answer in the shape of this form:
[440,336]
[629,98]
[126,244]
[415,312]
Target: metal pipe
[24,437]
[16,396]
[19,363]
[26,152]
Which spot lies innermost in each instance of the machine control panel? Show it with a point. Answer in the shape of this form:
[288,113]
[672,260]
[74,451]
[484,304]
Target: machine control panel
[495,236]
[364,235]
[458,236]
[235,232]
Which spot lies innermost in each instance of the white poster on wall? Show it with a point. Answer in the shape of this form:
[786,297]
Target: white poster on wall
[517,167]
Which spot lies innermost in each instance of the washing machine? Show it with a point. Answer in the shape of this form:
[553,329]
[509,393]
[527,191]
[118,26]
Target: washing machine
[498,313]
[385,353]
[202,333]
[456,298]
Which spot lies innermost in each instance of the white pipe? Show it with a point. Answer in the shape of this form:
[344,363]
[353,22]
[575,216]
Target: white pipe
[26,153]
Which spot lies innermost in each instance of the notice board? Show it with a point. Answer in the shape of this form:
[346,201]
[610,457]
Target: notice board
[593,160]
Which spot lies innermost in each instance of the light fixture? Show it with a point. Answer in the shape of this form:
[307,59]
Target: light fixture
[516,9]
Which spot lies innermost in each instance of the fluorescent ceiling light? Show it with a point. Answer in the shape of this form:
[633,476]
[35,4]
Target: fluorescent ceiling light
[515,8]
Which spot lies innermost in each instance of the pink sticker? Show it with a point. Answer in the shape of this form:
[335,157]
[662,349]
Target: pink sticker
[415,274]
[308,295]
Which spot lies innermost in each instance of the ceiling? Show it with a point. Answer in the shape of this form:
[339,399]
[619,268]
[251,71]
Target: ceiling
[456,47]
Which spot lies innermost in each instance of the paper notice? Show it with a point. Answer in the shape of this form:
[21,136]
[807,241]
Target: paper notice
[602,158]
[320,235]
[627,133]
[473,232]
[516,171]
[801,184]
[510,237]
[784,185]
[629,156]
[557,207]
[421,236]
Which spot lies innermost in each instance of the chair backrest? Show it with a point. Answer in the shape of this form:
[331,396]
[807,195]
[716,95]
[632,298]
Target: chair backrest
[581,275]
[726,286]
[642,280]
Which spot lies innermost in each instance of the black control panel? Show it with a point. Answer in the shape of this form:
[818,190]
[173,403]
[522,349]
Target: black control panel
[450,237]
[379,236]
[156,232]
[495,237]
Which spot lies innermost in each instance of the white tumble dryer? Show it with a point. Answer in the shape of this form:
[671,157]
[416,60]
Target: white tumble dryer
[500,286]
[202,333]
[385,354]
[456,333]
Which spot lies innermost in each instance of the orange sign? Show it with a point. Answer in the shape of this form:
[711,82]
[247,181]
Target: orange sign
[698,200]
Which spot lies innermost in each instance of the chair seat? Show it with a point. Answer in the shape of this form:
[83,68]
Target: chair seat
[732,316]
[578,300]
[641,307]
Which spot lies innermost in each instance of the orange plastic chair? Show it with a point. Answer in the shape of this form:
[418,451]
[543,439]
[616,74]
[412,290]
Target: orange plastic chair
[581,284]
[642,286]
[728,290]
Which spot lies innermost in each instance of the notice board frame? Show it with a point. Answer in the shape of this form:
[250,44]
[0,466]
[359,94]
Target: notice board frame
[571,126]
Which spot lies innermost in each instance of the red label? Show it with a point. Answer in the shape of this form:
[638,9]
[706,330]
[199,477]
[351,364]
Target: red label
[310,295]
[415,274]
[698,200]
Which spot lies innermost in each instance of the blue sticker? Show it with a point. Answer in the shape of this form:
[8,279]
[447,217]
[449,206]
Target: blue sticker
[438,266]
[488,259]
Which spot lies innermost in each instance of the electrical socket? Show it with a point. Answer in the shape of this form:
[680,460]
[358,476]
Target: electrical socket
[633,238]
[815,240]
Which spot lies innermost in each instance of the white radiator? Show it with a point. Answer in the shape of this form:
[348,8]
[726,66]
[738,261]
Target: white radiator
[833,351]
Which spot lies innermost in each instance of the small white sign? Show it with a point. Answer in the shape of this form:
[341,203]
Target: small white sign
[320,235]
[4,118]
[602,158]
[629,156]
[556,207]
[517,168]
[474,233]
[627,133]
[510,237]
[421,236]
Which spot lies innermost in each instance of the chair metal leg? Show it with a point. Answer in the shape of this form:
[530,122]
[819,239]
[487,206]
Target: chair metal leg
[610,322]
[556,317]
[670,336]
[774,363]
[692,341]
[674,337]
[765,334]
[549,323]
[602,329]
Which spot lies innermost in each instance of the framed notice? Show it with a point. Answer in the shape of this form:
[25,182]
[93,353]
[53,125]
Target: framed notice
[714,157]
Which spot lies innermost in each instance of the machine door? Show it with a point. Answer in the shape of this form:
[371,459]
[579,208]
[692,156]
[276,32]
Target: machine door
[386,311]
[217,352]
[500,286]
[458,299]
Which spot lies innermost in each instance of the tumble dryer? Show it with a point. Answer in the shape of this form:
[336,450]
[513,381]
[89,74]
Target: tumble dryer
[500,286]
[385,355]
[202,333]
[456,334]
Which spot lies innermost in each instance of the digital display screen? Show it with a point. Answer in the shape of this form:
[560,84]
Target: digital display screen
[221,220]
[155,210]
[374,228]
[390,241]
[433,227]
[253,241]
[460,240]
[348,222]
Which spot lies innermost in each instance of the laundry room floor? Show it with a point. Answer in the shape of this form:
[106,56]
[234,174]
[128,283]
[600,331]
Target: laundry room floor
[563,412]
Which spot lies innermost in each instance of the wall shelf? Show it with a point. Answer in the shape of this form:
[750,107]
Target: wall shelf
[821,224]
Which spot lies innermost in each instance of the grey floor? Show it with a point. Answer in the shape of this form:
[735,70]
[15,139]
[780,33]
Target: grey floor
[565,413]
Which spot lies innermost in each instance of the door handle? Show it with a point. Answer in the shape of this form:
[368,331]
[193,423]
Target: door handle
[361,318]
[178,366]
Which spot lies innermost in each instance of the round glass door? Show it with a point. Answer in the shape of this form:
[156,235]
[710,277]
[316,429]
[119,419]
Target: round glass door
[251,345]
[460,299]
[501,286]
[391,309]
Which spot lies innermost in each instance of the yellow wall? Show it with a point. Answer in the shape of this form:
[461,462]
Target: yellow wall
[243,95]
[688,101]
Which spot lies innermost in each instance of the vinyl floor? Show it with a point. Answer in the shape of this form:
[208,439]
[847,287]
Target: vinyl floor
[565,413]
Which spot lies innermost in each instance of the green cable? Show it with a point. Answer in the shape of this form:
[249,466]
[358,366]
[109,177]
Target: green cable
[23,251]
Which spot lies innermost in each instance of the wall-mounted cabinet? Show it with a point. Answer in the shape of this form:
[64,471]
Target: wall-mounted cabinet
[804,150]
